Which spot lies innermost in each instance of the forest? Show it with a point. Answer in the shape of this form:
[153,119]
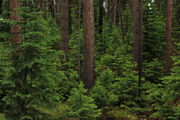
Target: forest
[89,60]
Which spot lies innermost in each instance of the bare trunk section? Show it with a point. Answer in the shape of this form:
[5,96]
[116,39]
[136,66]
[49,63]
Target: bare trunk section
[120,19]
[52,7]
[137,45]
[101,16]
[65,24]
[42,5]
[89,41]
[14,7]
[168,51]
[79,41]
[112,11]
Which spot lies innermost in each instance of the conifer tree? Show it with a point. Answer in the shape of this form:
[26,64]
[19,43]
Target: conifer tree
[137,44]
[89,43]
[168,52]
[65,24]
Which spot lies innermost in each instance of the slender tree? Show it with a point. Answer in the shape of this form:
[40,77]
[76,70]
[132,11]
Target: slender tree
[168,51]
[137,44]
[52,7]
[65,24]
[101,15]
[88,22]
[14,6]
[79,41]
[112,11]
[42,5]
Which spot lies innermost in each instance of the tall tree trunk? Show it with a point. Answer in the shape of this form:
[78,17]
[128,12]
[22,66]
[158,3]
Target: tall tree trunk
[1,1]
[65,24]
[89,41]
[42,5]
[14,7]
[120,19]
[79,37]
[168,51]
[52,7]
[112,11]
[137,44]
[101,16]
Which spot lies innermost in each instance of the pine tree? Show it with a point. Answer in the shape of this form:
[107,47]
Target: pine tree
[168,52]
[89,42]
[65,25]
[137,44]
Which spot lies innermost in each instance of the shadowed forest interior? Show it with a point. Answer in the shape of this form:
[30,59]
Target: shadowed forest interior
[89,60]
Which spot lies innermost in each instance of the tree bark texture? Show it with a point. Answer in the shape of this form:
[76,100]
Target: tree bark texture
[65,24]
[168,45]
[14,7]
[52,7]
[137,44]
[88,22]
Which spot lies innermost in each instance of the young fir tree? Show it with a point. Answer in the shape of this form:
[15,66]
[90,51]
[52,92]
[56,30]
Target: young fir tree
[153,45]
[37,69]
[82,106]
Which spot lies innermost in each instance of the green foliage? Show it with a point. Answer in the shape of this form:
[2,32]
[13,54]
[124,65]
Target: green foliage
[2,117]
[102,95]
[6,70]
[153,71]
[37,76]
[153,45]
[165,97]
[116,79]
[56,112]
[39,82]
[82,106]
[118,114]
[154,32]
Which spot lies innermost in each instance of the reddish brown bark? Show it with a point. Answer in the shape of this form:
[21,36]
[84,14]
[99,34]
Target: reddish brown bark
[65,24]
[168,51]
[137,44]
[14,7]
[88,22]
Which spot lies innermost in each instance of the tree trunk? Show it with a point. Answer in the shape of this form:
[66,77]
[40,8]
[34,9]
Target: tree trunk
[52,8]
[168,51]
[14,7]
[101,16]
[89,41]
[65,24]
[112,11]
[137,44]
[79,36]
[42,5]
